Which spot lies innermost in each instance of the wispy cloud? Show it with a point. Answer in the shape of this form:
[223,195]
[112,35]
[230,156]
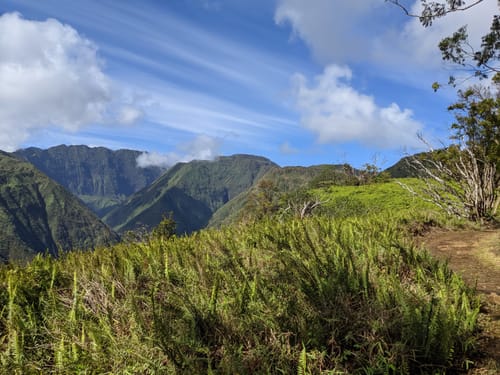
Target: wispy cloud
[161,40]
[287,149]
[129,115]
[183,76]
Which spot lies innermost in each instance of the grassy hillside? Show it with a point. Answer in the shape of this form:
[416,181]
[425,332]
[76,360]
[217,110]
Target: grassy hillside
[99,176]
[315,296]
[191,191]
[38,215]
[337,201]
[283,181]
[387,197]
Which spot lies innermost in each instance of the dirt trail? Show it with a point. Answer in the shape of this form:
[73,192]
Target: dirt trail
[476,256]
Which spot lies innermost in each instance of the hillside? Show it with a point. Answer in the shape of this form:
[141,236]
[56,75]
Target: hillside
[401,169]
[191,191]
[38,215]
[99,176]
[282,180]
[345,291]
[315,296]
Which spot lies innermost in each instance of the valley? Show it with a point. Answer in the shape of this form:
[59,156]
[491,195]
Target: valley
[245,257]
[250,187]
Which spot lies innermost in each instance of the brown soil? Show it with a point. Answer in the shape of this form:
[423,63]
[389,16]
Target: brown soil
[476,256]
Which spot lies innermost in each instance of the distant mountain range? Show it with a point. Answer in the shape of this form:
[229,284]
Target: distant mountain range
[102,178]
[39,215]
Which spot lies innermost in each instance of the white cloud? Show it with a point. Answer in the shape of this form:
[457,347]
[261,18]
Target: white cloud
[338,113]
[202,147]
[49,76]
[335,30]
[379,33]
[129,115]
[156,159]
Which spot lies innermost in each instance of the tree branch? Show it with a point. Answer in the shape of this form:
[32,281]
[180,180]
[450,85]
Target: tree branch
[426,20]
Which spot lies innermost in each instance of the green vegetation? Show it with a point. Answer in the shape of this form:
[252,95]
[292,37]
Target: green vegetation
[38,215]
[343,289]
[311,296]
[465,181]
[336,201]
[386,197]
[191,191]
[102,178]
[271,188]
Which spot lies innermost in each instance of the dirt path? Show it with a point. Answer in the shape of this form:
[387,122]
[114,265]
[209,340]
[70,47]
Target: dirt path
[476,256]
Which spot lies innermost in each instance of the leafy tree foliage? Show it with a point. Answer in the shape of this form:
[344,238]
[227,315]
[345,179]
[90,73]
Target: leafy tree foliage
[464,179]
[262,202]
[477,129]
[166,227]
[467,178]
[457,48]
[330,176]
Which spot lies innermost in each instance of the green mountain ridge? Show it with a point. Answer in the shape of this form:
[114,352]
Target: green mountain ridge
[100,177]
[198,193]
[38,215]
[191,191]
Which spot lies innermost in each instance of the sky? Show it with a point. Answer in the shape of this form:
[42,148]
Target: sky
[301,82]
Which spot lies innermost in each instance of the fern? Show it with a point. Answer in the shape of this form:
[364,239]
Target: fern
[302,365]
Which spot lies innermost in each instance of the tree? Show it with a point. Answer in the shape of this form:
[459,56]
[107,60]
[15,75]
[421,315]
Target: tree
[166,228]
[464,179]
[457,48]
[477,131]
[301,203]
[262,201]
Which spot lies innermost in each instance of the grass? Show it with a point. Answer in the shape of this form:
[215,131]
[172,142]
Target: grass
[318,296]
[386,197]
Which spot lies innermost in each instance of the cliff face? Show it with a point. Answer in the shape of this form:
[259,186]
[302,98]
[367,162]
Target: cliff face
[100,177]
[39,215]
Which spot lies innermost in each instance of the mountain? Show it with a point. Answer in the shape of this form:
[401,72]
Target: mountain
[39,215]
[402,168]
[99,176]
[191,191]
[406,166]
[283,180]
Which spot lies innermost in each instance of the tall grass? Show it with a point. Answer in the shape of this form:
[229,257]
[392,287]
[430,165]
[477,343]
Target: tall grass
[315,296]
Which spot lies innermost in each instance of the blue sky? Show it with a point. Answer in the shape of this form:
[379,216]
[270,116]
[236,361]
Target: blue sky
[301,82]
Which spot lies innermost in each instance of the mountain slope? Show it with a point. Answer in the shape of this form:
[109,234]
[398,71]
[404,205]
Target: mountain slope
[191,191]
[38,215]
[99,176]
[402,169]
[283,180]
